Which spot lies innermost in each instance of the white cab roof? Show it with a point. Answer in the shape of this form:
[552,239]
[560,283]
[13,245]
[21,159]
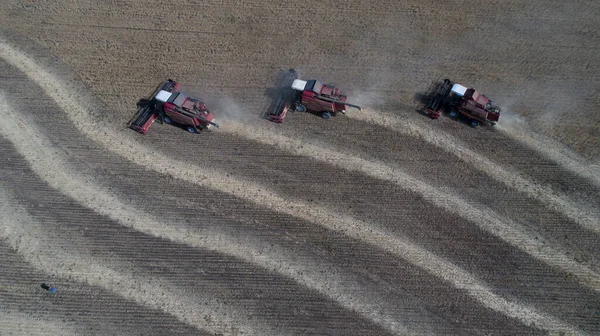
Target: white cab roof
[298,84]
[459,89]
[163,95]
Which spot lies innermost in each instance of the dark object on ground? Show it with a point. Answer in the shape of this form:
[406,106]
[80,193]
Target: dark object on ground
[48,288]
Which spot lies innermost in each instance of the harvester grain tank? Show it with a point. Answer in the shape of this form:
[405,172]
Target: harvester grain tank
[169,105]
[459,100]
[310,95]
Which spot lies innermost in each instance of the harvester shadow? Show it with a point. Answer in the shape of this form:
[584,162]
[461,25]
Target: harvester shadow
[423,98]
[275,93]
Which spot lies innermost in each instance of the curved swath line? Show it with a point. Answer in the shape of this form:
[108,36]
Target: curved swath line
[586,218]
[48,163]
[78,111]
[485,218]
[555,151]
[32,243]
[51,168]
[16,323]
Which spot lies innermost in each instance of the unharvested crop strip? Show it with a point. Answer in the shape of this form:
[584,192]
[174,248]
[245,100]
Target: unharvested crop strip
[586,218]
[79,113]
[48,163]
[27,237]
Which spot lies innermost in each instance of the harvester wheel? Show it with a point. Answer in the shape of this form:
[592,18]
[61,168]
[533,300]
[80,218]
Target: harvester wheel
[192,129]
[167,120]
[300,108]
[474,123]
[326,115]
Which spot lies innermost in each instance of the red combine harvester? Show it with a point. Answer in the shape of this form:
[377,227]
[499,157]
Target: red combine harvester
[312,95]
[459,100]
[167,104]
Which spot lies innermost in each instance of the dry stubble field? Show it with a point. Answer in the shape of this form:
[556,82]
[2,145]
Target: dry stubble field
[374,223]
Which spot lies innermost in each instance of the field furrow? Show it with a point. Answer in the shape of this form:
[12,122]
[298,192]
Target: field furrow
[371,223]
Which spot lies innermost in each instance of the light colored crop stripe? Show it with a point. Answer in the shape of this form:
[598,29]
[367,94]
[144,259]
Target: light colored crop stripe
[17,323]
[579,214]
[325,278]
[32,243]
[505,229]
[556,152]
[77,110]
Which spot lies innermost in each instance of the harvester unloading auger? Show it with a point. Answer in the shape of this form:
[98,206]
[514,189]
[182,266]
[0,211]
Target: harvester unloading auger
[311,95]
[459,100]
[167,104]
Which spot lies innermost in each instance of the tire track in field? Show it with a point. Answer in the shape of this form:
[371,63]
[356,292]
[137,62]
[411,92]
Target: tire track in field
[27,237]
[586,218]
[78,111]
[554,151]
[47,162]
[507,230]
[18,323]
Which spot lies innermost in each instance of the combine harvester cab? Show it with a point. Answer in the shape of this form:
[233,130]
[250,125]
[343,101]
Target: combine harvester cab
[459,100]
[312,95]
[169,105]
